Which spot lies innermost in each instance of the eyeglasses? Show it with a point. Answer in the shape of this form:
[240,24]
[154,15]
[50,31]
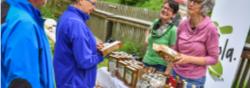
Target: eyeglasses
[93,3]
[168,8]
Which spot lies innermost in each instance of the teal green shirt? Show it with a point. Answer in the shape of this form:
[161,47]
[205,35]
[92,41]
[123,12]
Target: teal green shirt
[167,38]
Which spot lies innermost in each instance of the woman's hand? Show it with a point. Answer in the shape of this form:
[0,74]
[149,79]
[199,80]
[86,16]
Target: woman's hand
[169,69]
[167,73]
[167,58]
[183,59]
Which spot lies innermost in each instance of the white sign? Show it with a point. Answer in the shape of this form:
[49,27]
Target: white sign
[233,17]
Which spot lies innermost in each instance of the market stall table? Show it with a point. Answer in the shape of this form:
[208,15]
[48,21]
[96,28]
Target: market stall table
[106,80]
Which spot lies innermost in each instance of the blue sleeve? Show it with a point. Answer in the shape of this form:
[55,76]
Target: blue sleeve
[21,52]
[86,56]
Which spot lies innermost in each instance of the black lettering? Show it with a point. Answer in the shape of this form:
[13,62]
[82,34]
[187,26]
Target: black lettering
[229,54]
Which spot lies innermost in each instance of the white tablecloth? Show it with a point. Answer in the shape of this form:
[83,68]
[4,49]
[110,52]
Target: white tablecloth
[105,79]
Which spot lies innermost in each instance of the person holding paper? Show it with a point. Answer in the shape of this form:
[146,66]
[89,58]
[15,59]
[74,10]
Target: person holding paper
[197,43]
[163,31]
[77,52]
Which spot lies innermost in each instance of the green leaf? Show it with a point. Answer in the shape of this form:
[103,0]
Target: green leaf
[216,70]
[226,29]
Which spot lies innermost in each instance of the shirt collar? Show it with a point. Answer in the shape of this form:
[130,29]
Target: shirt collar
[80,13]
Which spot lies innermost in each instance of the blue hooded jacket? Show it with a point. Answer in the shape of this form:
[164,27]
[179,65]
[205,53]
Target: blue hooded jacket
[24,47]
[76,56]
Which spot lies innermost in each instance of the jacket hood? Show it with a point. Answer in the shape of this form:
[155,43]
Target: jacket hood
[201,26]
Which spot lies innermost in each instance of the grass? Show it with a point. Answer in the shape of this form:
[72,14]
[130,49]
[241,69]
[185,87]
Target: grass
[104,63]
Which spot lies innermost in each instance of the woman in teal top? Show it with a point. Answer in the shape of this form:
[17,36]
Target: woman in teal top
[163,31]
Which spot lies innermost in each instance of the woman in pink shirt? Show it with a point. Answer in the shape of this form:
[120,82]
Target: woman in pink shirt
[198,44]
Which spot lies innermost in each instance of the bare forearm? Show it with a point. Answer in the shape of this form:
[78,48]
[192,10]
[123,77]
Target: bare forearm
[197,60]
[168,69]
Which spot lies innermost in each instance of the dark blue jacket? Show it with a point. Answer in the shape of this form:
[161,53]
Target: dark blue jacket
[24,47]
[76,55]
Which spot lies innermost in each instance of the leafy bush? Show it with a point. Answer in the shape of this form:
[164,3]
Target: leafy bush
[150,4]
[54,8]
[133,48]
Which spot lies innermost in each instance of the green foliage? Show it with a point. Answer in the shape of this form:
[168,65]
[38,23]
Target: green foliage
[111,1]
[54,8]
[129,47]
[132,2]
[150,4]
[133,48]
[126,2]
[48,13]
[104,63]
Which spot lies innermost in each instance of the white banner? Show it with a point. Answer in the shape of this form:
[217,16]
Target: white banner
[233,18]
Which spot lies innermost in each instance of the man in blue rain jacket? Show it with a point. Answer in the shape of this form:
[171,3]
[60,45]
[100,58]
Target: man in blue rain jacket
[76,50]
[24,46]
